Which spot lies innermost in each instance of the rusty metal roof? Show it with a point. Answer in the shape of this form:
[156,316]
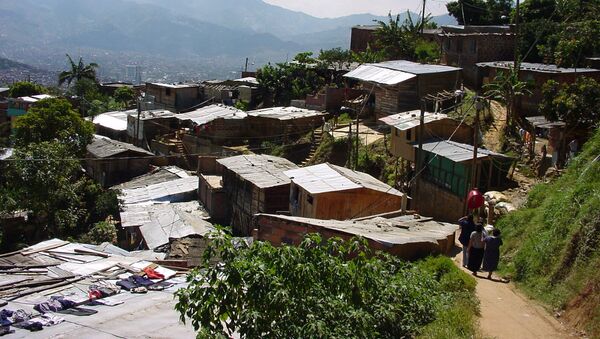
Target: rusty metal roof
[263,171]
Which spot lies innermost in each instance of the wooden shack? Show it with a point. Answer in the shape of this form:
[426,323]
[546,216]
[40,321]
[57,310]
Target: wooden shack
[279,122]
[219,123]
[406,128]
[146,126]
[255,184]
[405,236]
[112,162]
[176,98]
[398,86]
[327,191]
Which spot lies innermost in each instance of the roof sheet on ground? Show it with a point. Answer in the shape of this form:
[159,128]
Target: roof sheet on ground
[160,222]
[207,114]
[542,122]
[60,268]
[284,113]
[536,67]
[263,171]
[103,147]
[407,120]
[116,120]
[331,178]
[393,231]
[456,151]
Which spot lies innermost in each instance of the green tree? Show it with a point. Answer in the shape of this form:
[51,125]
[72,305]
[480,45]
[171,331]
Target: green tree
[103,231]
[480,12]
[506,88]
[320,289]
[54,120]
[336,57]
[577,104]
[124,95]
[77,72]
[42,179]
[25,88]
[398,40]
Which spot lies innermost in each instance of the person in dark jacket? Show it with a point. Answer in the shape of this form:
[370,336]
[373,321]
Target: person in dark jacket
[492,252]
[475,249]
[467,226]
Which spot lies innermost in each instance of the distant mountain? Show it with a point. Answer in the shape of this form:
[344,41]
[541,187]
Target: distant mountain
[6,64]
[13,71]
[217,34]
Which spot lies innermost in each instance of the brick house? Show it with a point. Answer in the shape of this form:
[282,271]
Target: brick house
[465,46]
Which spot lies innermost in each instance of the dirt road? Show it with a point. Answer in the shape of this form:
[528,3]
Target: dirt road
[505,313]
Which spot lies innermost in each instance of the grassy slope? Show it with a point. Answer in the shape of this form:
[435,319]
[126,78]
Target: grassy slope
[552,246]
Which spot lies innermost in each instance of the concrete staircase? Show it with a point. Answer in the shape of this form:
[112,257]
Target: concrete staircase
[317,138]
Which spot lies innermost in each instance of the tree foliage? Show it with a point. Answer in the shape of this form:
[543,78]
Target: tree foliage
[322,289]
[287,81]
[54,120]
[561,32]
[103,231]
[401,40]
[78,71]
[25,88]
[124,95]
[577,104]
[480,12]
[507,88]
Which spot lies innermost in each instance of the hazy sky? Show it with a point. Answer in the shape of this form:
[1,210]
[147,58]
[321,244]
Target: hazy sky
[336,8]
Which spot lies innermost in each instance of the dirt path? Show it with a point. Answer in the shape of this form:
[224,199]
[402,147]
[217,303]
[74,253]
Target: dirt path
[505,313]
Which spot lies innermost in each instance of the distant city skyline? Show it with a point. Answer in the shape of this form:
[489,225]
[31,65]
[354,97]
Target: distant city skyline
[337,8]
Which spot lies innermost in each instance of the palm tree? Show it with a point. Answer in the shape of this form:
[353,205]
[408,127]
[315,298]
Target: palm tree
[78,72]
[398,40]
[506,88]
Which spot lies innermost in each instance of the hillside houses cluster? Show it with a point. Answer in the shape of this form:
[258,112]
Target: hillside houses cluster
[187,159]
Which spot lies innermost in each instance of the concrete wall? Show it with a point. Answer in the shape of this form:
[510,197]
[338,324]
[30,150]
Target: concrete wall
[214,200]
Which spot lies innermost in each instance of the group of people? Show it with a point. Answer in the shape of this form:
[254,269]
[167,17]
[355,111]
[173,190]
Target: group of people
[479,247]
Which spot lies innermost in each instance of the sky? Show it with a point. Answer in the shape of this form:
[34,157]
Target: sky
[337,8]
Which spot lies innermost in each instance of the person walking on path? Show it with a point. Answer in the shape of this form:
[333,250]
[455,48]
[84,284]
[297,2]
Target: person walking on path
[475,249]
[492,252]
[467,226]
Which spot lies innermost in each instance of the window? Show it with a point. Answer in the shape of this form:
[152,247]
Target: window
[309,199]
[409,135]
[168,92]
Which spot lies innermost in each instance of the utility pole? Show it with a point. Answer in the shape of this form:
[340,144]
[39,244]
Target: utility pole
[246,67]
[462,8]
[517,36]
[423,18]
[419,157]
[479,107]
[357,141]
[137,127]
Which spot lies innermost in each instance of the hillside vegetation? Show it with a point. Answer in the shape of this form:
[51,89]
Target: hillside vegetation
[552,245]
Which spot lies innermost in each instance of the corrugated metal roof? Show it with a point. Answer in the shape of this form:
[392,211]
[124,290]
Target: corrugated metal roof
[160,222]
[284,113]
[542,122]
[456,151]
[394,231]
[169,191]
[380,75]
[407,120]
[263,171]
[207,114]
[156,176]
[102,147]
[156,114]
[536,67]
[331,178]
[250,80]
[174,85]
[116,120]
[416,68]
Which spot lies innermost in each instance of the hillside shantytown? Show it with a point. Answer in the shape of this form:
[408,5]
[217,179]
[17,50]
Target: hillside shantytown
[433,180]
